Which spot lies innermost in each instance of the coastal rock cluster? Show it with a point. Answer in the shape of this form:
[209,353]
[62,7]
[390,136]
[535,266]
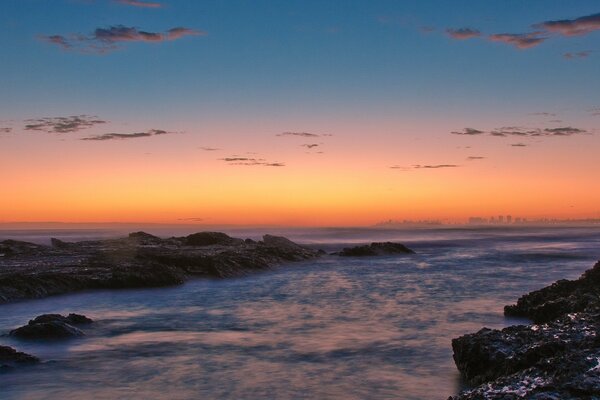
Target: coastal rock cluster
[375,249]
[30,270]
[11,358]
[558,357]
[52,326]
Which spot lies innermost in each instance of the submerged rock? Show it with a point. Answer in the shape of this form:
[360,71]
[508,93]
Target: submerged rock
[556,359]
[375,249]
[52,326]
[10,358]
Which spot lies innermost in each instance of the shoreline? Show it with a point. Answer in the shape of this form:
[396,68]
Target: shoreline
[32,271]
[557,356]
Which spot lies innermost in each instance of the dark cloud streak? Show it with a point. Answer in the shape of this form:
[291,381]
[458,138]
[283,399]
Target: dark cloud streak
[104,40]
[122,136]
[463,33]
[73,123]
[141,4]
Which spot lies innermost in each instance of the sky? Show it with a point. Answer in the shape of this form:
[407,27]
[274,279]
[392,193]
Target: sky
[307,113]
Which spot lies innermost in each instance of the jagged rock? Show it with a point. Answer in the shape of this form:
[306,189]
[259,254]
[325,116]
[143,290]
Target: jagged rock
[59,244]
[46,330]
[144,238]
[73,319]
[28,270]
[561,297]
[16,247]
[558,359]
[375,249]
[210,239]
[10,358]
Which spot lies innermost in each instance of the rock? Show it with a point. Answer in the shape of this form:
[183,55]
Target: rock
[375,249]
[11,358]
[211,239]
[558,358]
[52,326]
[140,260]
[59,244]
[46,330]
[74,319]
[16,247]
[561,297]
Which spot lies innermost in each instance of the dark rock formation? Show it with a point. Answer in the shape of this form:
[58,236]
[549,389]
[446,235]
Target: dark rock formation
[556,359]
[73,319]
[11,358]
[140,260]
[211,239]
[375,249]
[52,326]
[559,298]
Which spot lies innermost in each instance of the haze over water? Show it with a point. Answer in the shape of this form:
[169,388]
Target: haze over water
[334,327]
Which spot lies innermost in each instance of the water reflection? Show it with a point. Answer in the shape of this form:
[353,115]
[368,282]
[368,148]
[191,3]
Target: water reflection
[335,328]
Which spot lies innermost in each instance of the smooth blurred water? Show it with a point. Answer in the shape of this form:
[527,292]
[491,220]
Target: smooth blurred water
[334,328]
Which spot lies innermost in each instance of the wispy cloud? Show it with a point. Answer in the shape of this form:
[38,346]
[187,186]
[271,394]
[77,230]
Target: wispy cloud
[250,161]
[595,111]
[138,3]
[463,33]
[209,148]
[540,33]
[474,158]
[543,114]
[427,166]
[572,27]
[310,145]
[518,145]
[122,136]
[301,134]
[579,54]
[73,123]
[468,131]
[104,40]
[519,40]
[525,132]
[6,130]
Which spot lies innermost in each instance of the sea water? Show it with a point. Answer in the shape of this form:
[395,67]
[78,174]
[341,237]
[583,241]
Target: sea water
[331,328]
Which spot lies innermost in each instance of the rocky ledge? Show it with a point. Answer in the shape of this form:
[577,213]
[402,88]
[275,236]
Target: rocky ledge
[558,357]
[52,326]
[11,358]
[30,270]
[375,249]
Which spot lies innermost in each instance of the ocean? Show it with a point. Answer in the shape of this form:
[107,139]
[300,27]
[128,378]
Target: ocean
[332,328]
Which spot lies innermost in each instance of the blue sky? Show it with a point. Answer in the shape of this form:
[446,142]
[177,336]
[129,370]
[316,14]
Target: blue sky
[378,86]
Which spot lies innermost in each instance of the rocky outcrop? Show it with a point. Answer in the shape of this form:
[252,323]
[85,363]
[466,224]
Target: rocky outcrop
[559,298]
[11,358]
[556,358]
[52,326]
[375,249]
[211,239]
[29,270]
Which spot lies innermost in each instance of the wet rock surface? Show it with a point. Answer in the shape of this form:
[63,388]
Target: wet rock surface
[52,326]
[375,249]
[11,358]
[29,270]
[556,358]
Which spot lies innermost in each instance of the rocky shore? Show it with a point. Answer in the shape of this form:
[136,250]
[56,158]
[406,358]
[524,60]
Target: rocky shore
[557,357]
[29,270]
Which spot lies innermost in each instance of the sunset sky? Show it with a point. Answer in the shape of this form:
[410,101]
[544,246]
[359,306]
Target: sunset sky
[298,112]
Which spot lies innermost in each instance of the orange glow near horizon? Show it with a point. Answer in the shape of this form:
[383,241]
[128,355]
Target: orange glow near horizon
[346,186]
